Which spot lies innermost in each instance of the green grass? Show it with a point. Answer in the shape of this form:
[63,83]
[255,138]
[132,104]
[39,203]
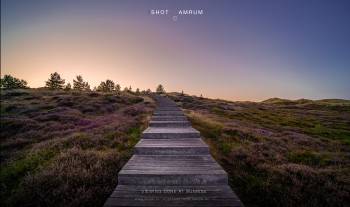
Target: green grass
[330,133]
[226,148]
[134,134]
[308,158]
[12,174]
[278,119]
[209,128]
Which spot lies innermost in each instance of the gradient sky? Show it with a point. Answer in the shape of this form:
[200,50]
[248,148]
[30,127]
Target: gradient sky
[237,50]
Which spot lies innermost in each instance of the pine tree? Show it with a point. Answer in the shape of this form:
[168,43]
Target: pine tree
[107,86]
[55,81]
[10,82]
[110,85]
[80,85]
[137,91]
[117,88]
[160,89]
[87,86]
[68,87]
[102,87]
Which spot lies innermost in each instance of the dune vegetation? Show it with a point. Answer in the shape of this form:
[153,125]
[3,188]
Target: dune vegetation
[278,152]
[65,148]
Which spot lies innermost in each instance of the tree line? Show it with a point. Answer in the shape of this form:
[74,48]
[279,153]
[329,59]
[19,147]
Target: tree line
[55,82]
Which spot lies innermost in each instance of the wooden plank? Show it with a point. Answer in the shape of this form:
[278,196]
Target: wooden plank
[172,167]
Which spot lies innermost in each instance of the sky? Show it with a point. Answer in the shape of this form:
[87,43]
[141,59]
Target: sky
[246,50]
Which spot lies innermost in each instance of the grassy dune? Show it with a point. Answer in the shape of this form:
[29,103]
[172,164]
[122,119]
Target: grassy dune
[65,148]
[279,152]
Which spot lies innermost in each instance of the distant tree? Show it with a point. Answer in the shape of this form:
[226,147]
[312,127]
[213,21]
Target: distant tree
[182,93]
[107,86]
[149,91]
[80,85]
[55,81]
[87,86]
[117,88]
[102,87]
[126,89]
[137,91]
[160,89]
[130,89]
[10,82]
[110,85]
[68,87]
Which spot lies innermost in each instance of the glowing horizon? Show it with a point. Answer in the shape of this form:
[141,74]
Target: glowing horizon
[235,50]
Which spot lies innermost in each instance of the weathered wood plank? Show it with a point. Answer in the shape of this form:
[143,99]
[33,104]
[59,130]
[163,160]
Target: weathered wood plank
[172,167]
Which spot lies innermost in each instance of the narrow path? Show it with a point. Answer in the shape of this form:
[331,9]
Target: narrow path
[172,166]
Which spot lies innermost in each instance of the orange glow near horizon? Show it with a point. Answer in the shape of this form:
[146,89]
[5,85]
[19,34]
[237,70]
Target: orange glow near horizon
[136,56]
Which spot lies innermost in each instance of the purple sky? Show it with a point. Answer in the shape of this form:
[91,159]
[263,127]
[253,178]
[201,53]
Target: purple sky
[237,50]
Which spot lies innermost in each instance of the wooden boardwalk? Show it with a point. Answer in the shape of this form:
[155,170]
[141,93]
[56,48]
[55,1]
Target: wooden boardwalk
[172,166]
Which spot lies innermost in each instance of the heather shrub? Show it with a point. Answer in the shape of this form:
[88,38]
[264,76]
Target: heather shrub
[278,152]
[65,148]
[74,178]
